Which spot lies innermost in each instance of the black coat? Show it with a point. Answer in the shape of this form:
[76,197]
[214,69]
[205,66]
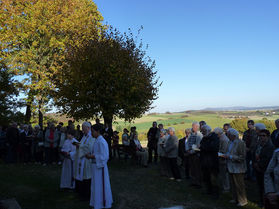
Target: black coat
[24,139]
[181,147]
[274,139]
[209,147]
[264,156]
[12,136]
[152,136]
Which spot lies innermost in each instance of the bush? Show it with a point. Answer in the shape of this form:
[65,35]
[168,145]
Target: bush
[239,124]
[270,124]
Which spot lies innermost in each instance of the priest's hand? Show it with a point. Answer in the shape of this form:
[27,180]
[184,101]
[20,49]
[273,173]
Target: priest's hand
[88,156]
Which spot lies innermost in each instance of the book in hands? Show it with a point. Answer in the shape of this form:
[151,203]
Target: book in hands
[221,154]
[76,143]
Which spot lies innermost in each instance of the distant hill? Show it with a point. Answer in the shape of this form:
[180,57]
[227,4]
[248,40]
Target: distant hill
[241,108]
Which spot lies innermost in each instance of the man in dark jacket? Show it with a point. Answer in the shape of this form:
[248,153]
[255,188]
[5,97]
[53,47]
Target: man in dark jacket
[275,133]
[182,152]
[12,143]
[153,136]
[107,134]
[250,138]
[209,148]
[261,157]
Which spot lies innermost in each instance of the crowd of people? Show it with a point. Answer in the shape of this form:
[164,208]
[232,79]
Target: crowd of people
[82,153]
[217,160]
[220,161]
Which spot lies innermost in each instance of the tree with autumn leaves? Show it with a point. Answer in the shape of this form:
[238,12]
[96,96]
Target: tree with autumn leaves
[65,54]
[35,38]
[108,77]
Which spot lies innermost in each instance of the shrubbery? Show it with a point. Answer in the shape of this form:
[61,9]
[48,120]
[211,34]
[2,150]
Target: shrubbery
[241,124]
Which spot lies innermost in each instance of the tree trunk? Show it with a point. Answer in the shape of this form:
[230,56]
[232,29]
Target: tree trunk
[108,121]
[41,117]
[28,114]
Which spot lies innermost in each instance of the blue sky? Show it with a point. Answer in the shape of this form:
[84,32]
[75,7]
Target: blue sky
[215,53]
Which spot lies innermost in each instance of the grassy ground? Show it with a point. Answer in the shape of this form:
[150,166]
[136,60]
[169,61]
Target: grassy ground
[133,187]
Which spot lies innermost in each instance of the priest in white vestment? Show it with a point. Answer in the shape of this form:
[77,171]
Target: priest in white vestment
[82,165]
[68,149]
[101,196]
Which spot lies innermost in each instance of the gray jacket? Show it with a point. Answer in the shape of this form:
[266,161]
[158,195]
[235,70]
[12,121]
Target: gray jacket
[271,176]
[171,147]
[55,138]
[236,163]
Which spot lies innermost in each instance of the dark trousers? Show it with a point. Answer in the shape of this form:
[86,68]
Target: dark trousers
[27,153]
[83,188]
[250,174]
[210,178]
[116,150]
[11,154]
[39,155]
[127,151]
[260,182]
[109,147]
[20,153]
[51,155]
[186,166]
[150,152]
[164,167]
[174,168]
[195,169]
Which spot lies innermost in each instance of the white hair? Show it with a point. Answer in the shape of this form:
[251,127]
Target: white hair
[196,123]
[233,132]
[207,128]
[260,126]
[218,130]
[86,124]
[171,129]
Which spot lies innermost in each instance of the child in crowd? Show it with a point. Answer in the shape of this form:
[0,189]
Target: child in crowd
[68,150]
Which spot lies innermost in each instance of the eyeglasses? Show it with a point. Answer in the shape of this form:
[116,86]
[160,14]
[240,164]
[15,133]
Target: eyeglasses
[263,135]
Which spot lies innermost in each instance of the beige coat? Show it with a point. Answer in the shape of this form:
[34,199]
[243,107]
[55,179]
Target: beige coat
[223,147]
[236,162]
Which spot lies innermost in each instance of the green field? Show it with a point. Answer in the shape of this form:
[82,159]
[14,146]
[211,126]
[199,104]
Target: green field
[181,121]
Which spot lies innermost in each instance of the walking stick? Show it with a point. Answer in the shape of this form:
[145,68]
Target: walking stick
[104,199]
